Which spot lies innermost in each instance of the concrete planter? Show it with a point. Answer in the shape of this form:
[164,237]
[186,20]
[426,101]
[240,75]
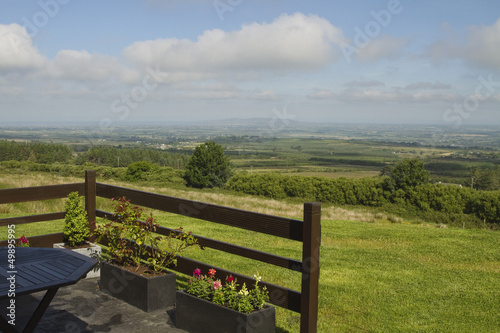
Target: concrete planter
[197,315]
[146,293]
[92,250]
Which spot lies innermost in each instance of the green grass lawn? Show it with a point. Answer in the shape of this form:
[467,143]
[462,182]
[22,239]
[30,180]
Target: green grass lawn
[380,277]
[375,277]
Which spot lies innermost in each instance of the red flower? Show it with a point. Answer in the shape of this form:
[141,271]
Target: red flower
[211,272]
[197,272]
[23,239]
[230,279]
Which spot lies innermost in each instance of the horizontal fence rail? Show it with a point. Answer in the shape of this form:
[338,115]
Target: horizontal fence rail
[241,251]
[263,223]
[32,218]
[37,193]
[307,231]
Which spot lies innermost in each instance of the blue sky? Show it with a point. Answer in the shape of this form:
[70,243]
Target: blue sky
[123,61]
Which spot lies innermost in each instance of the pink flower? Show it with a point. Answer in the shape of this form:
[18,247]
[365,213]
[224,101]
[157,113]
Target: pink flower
[217,284]
[197,272]
[23,239]
[211,272]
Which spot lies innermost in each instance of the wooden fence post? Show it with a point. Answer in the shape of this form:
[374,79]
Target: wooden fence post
[310,268]
[90,196]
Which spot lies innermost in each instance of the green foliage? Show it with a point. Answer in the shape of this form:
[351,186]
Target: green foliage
[447,201]
[127,238]
[487,179]
[156,174]
[136,171]
[37,152]
[208,166]
[406,175]
[123,157]
[76,228]
[227,294]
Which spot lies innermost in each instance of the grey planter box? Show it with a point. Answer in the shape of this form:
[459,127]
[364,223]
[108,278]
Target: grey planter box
[146,293]
[92,250]
[197,315]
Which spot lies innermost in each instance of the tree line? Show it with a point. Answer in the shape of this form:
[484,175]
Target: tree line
[405,190]
[37,152]
[49,153]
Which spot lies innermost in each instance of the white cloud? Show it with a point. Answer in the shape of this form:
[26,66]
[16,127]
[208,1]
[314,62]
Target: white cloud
[369,95]
[427,85]
[480,47]
[380,48]
[483,43]
[321,94]
[211,95]
[81,65]
[16,49]
[396,96]
[364,84]
[290,42]
[265,95]
[207,91]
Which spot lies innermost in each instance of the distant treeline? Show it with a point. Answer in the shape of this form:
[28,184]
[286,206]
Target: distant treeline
[37,152]
[437,202]
[49,153]
[120,157]
[139,171]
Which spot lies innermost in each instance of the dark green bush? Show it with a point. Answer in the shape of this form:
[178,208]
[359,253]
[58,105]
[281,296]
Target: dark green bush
[437,202]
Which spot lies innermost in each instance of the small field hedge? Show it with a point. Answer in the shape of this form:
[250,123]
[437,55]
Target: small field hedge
[435,201]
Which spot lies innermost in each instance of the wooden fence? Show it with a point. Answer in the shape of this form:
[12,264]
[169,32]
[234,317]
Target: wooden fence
[307,231]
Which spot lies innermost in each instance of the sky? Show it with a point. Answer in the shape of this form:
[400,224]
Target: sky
[113,62]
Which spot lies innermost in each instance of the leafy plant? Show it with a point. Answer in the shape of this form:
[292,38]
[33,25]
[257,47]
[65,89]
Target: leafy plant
[132,242]
[23,242]
[228,294]
[76,228]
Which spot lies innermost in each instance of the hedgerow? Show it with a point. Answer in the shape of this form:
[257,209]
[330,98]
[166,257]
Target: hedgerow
[436,201]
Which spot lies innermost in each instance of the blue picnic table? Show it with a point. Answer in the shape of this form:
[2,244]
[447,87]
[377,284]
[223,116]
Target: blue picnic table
[29,270]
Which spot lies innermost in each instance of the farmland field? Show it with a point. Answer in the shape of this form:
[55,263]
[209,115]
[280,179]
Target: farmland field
[259,145]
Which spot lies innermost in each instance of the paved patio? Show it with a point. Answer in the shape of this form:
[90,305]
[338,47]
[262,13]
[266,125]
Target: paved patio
[83,307]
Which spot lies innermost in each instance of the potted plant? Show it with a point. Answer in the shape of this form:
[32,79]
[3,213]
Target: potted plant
[23,242]
[208,305]
[136,258]
[77,231]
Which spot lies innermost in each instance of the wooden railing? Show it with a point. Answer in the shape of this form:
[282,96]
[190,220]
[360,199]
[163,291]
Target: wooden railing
[307,231]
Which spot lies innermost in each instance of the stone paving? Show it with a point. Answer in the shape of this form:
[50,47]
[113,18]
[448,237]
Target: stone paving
[83,307]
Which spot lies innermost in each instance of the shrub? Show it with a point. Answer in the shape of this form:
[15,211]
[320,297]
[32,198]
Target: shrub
[76,228]
[208,166]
